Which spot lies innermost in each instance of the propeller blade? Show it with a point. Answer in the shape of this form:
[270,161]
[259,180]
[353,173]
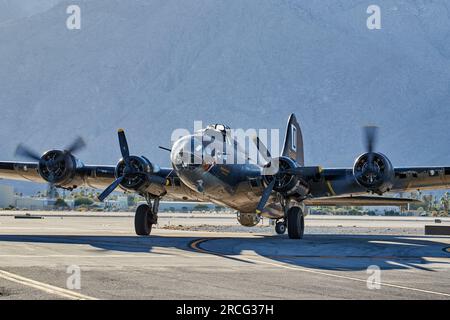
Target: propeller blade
[123,145]
[77,145]
[370,135]
[26,152]
[262,149]
[110,188]
[265,196]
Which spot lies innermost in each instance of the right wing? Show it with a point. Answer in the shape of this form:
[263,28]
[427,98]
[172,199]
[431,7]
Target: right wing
[359,200]
[340,181]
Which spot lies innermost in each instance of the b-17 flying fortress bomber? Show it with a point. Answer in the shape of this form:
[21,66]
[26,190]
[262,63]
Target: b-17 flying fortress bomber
[211,165]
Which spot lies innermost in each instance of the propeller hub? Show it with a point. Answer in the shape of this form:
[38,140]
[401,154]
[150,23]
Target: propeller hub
[374,172]
[56,166]
[133,170]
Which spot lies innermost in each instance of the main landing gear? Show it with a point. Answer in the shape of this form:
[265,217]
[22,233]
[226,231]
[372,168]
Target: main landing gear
[146,216]
[294,223]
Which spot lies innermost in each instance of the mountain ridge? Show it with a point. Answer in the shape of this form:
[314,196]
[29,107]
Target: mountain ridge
[154,66]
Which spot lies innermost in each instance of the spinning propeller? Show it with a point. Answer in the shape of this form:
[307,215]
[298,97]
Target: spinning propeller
[26,152]
[53,165]
[370,170]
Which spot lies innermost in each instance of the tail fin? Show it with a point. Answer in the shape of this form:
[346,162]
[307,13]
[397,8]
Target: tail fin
[293,141]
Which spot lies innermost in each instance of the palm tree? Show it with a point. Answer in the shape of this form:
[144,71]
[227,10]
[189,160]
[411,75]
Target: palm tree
[445,202]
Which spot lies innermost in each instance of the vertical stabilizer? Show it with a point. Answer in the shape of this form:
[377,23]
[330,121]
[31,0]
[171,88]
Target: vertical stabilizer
[293,141]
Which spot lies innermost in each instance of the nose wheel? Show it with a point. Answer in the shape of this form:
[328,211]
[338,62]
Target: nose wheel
[280,227]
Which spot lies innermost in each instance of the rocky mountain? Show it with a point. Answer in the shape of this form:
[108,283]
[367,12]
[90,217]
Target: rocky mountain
[154,66]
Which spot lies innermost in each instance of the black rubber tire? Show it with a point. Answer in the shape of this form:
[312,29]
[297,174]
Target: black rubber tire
[142,220]
[296,223]
[280,228]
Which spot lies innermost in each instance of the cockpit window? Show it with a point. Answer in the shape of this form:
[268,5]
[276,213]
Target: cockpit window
[219,127]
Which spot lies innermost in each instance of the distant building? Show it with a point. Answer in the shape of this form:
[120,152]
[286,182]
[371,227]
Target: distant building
[33,203]
[120,204]
[7,197]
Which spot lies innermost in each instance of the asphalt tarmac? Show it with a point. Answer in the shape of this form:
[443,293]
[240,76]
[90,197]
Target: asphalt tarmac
[95,256]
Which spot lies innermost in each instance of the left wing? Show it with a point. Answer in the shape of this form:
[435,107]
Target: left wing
[95,176]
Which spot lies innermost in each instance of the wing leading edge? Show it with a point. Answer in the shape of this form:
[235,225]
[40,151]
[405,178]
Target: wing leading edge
[359,200]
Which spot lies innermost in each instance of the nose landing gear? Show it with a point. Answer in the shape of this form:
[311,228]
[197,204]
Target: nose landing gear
[146,216]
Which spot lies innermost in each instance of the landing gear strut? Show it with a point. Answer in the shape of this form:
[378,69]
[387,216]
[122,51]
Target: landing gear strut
[296,223]
[146,216]
[280,227]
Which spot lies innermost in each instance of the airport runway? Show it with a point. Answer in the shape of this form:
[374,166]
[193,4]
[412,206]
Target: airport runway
[35,255]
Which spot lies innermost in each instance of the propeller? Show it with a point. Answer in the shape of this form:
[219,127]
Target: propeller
[77,145]
[265,154]
[370,134]
[373,170]
[25,152]
[51,163]
[262,150]
[370,137]
[281,172]
[265,197]
[123,144]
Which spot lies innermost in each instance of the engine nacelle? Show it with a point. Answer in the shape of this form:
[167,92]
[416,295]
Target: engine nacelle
[58,167]
[286,183]
[376,175]
[248,219]
[143,178]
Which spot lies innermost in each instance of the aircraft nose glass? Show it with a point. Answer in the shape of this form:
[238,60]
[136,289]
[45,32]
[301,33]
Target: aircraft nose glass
[184,153]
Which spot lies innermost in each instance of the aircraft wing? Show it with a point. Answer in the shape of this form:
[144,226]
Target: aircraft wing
[341,181]
[96,176]
[359,200]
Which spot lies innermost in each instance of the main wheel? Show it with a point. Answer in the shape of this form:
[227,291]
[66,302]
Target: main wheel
[296,223]
[143,219]
[280,228]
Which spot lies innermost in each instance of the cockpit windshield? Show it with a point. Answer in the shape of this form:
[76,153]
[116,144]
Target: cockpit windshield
[217,130]
[219,127]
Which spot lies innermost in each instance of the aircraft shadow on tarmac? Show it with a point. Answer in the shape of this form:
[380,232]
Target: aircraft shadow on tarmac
[330,252]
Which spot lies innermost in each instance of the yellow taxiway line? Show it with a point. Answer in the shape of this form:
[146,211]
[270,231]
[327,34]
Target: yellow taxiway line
[196,246]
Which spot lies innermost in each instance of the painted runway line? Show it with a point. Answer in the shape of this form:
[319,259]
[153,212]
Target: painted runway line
[196,245]
[47,288]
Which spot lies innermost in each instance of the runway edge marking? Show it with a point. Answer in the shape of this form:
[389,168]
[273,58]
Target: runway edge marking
[48,288]
[196,246]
